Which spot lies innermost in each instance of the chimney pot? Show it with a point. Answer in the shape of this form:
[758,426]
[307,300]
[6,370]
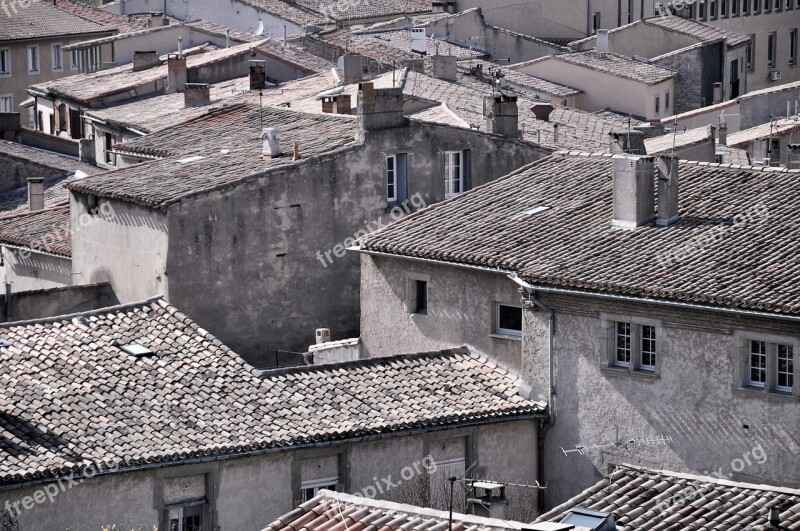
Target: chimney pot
[542,111]
[323,335]
[145,60]
[667,191]
[627,142]
[35,193]
[296,151]
[555,133]
[271,147]
[633,191]
[195,94]
[793,162]
[602,41]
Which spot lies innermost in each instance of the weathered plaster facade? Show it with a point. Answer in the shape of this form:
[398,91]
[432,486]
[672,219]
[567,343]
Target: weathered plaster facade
[247,493]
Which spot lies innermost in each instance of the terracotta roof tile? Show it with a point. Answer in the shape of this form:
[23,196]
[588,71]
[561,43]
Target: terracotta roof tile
[184,400]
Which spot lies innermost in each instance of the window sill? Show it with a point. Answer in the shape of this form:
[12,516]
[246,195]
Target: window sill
[506,336]
[625,371]
[770,395]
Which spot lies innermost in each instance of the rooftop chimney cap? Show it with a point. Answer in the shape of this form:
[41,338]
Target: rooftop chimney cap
[271,138]
[542,111]
[602,41]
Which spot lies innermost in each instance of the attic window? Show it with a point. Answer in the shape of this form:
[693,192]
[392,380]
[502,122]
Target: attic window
[536,210]
[134,349]
[190,159]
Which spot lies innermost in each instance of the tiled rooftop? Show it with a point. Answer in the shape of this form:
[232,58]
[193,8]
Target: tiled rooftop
[613,64]
[219,30]
[95,86]
[572,245]
[370,9]
[335,510]
[122,24]
[734,155]
[16,201]
[44,230]
[519,79]
[296,14]
[678,139]
[231,155]
[782,126]
[71,396]
[60,164]
[44,20]
[644,499]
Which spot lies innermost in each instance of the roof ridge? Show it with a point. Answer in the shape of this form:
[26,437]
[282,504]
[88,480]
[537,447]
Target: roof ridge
[108,309]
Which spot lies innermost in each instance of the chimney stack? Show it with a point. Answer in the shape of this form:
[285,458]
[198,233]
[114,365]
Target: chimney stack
[419,41]
[503,116]
[323,335]
[627,142]
[176,73]
[271,138]
[340,104]
[602,41]
[145,60]
[542,111]
[195,94]
[667,191]
[379,108]
[793,152]
[445,67]
[722,133]
[157,19]
[634,200]
[353,68]
[258,75]
[35,193]
[555,133]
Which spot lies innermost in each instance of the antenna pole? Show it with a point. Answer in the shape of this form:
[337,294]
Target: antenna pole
[261,103]
[452,482]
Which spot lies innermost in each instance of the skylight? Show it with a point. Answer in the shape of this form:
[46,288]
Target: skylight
[536,210]
[137,350]
[190,159]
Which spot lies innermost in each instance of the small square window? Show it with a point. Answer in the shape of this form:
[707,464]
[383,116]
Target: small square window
[508,320]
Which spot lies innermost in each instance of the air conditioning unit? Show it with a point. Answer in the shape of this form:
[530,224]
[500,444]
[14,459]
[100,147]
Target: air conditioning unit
[775,76]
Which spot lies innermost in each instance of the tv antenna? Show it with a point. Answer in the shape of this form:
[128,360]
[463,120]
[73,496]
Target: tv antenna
[658,440]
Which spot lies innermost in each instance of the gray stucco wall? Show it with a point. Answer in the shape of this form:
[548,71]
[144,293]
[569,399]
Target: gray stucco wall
[48,303]
[246,494]
[258,251]
[28,271]
[696,398]
[460,309]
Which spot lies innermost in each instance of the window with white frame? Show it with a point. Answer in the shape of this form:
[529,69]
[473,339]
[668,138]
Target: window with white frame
[391,177]
[94,58]
[508,320]
[74,59]
[5,61]
[772,40]
[309,489]
[55,52]
[7,103]
[33,59]
[185,517]
[454,172]
[632,344]
[396,177]
[768,363]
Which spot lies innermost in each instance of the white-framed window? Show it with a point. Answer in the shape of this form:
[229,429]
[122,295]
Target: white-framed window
[33,59]
[508,320]
[784,381]
[309,489]
[757,364]
[712,9]
[74,60]
[772,43]
[767,363]
[185,517]
[6,103]
[391,177]
[56,57]
[5,62]
[723,8]
[454,172]
[94,58]
[632,344]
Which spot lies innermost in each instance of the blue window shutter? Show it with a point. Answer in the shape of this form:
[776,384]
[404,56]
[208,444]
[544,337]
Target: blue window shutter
[402,177]
[466,161]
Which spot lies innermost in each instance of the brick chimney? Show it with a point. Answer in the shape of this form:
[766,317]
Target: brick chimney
[503,115]
[667,175]
[196,94]
[379,108]
[633,190]
[176,72]
[627,142]
[35,193]
[353,68]
[340,104]
[258,75]
[445,67]
[145,60]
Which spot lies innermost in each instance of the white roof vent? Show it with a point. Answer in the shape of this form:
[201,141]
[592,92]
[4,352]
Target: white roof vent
[271,138]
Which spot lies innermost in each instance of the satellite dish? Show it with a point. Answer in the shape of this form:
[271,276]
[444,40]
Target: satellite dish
[260,28]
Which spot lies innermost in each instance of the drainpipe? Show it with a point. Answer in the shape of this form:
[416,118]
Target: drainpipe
[8,300]
[551,393]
